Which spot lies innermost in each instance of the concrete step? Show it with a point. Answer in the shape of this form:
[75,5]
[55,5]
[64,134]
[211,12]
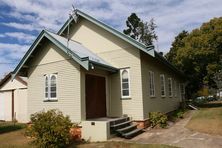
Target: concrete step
[121,125]
[132,133]
[127,129]
[119,120]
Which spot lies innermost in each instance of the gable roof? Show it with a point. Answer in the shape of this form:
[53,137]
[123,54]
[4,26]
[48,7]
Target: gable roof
[9,75]
[147,49]
[76,51]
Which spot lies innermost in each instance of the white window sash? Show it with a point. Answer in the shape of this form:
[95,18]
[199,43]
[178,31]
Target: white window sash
[152,84]
[170,85]
[162,83]
[128,72]
[175,87]
[49,87]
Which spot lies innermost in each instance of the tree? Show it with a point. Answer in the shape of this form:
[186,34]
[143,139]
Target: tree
[177,43]
[133,22]
[143,32]
[197,54]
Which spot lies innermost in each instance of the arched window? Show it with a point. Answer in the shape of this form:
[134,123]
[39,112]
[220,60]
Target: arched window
[125,83]
[53,86]
[46,87]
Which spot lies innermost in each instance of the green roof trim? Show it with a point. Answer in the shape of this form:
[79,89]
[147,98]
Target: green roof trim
[147,49]
[83,62]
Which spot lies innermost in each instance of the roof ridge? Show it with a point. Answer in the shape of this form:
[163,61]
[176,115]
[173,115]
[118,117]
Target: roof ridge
[114,29]
[147,49]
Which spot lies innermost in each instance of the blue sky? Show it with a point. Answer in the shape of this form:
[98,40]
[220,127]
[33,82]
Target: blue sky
[22,20]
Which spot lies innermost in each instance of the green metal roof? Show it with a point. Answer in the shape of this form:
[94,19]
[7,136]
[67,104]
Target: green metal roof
[147,49]
[82,57]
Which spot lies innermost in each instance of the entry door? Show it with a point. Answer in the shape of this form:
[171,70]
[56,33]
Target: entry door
[2,106]
[95,96]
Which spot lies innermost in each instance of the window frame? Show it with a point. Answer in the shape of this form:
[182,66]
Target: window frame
[46,76]
[49,98]
[175,88]
[170,87]
[151,84]
[164,85]
[121,82]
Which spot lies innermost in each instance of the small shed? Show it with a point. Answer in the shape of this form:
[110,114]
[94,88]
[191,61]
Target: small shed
[13,99]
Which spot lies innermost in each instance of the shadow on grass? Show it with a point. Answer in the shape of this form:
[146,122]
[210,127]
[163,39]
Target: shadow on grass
[9,127]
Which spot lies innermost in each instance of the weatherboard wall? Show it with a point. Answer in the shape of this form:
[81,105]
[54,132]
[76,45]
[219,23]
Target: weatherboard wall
[158,103]
[120,54]
[50,60]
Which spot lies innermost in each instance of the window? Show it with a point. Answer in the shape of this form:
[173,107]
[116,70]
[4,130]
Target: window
[175,88]
[170,86]
[151,84]
[125,83]
[46,87]
[162,85]
[51,87]
[182,89]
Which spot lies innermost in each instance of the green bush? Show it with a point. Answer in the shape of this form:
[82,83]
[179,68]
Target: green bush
[158,118]
[50,129]
[179,113]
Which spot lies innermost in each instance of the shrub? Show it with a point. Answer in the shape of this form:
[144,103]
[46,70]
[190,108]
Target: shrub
[50,129]
[158,118]
[179,113]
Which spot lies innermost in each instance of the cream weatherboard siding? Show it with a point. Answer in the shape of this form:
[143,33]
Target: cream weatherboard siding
[20,100]
[158,103]
[119,54]
[49,60]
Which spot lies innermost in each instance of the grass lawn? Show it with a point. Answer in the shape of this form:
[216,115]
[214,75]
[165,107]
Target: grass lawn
[122,145]
[10,126]
[16,139]
[207,120]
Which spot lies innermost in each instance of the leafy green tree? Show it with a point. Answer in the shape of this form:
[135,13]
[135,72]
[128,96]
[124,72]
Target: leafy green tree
[133,22]
[198,55]
[144,32]
[177,43]
[147,32]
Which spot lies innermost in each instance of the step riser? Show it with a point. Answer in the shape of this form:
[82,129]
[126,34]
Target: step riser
[128,130]
[119,121]
[122,126]
[132,135]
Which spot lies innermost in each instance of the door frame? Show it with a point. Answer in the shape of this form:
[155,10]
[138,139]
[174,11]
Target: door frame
[107,91]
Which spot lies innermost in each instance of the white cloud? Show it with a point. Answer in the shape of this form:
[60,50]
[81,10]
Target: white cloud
[22,26]
[171,17]
[20,36]
[12,51]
